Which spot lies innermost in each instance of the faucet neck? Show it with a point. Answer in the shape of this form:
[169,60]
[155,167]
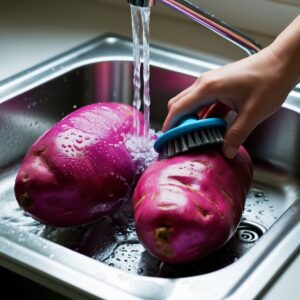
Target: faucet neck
[208,20]
[214,24]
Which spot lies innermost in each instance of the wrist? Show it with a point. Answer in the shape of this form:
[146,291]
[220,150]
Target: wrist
[286,49]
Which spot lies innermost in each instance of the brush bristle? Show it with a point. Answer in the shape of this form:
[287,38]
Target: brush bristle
[202,137]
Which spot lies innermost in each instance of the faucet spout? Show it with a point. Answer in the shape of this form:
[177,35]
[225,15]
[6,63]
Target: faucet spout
[142,3]
[207,20]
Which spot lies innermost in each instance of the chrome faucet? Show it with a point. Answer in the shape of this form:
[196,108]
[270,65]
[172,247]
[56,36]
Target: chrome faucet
[208,20]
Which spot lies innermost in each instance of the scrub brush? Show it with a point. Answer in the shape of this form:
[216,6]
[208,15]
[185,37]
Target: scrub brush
[190,133]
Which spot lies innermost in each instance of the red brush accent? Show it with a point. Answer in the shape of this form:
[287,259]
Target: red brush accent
[216,110]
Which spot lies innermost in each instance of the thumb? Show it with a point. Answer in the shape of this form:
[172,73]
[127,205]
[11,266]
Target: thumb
[238,132]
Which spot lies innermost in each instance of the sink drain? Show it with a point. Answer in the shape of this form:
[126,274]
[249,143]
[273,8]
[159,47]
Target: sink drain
[249,232]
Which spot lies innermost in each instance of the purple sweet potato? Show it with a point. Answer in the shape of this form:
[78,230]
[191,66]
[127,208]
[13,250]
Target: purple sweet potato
[188,206]
[79,169]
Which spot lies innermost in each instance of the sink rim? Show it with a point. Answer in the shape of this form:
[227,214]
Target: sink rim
[26,258]
[115,48]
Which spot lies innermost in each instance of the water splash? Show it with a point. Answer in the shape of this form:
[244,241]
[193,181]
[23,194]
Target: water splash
[141,150]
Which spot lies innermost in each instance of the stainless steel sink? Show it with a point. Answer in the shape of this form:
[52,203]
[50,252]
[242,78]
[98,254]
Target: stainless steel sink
[105,259]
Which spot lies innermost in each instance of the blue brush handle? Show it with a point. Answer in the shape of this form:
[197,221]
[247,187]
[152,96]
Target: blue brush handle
[188,124]
[188,120]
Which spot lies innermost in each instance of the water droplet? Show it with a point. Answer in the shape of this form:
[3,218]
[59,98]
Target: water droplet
[140,271]
[259,194]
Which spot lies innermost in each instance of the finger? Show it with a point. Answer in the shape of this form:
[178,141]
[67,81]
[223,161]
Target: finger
[190,103]
[178,97]
[238,132]
[178,109]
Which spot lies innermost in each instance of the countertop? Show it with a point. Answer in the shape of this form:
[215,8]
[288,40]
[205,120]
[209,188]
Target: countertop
[33,31]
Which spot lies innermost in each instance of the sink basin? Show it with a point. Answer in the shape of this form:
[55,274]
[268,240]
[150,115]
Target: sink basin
[105,259]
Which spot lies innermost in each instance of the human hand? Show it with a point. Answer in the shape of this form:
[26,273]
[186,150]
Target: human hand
[254,87]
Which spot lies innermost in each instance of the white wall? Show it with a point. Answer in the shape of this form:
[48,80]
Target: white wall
[34,30]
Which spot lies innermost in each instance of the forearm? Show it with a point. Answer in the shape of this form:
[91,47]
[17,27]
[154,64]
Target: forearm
[287,48]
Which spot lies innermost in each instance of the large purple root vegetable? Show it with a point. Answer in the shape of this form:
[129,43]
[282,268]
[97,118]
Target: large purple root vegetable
[188,206]
[79,169]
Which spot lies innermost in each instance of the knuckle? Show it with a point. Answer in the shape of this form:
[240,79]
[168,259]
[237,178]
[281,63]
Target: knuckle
[208,83]
[175,108]
[170,102]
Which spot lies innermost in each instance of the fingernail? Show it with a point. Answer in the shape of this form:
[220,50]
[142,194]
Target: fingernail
[230,152]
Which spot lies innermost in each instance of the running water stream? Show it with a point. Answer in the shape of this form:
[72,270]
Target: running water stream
[136,66]
[141,16]
[141,148]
